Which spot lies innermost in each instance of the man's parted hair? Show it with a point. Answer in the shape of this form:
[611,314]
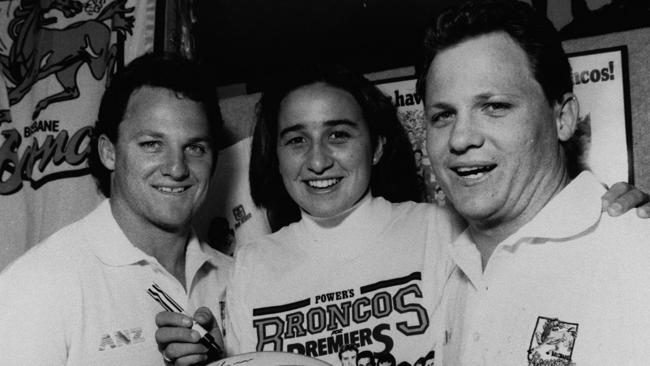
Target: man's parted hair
[367,354]
[162,70]
[529,28]
[346,348]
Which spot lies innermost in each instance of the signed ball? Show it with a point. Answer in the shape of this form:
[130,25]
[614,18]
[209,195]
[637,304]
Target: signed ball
[269,359]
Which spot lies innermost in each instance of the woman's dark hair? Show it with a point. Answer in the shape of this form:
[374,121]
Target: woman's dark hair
[393,177]
[163,70]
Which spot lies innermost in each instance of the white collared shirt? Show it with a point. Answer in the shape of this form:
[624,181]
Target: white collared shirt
[570,287]
[80,297]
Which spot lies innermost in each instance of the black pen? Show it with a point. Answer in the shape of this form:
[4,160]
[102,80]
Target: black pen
[161,297]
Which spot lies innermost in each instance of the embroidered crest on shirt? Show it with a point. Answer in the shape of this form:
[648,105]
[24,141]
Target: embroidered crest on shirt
[552,342]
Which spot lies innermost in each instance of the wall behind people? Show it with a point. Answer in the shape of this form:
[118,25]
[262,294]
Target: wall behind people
[56,58]
[229,195]
[638,51]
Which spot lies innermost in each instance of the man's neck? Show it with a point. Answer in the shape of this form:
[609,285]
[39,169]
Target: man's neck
[167,246]
[488,235]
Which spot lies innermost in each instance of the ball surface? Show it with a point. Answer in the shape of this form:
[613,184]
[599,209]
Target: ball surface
[269,359]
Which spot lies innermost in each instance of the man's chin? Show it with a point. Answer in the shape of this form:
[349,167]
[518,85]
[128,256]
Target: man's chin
[172,224]
[475,210]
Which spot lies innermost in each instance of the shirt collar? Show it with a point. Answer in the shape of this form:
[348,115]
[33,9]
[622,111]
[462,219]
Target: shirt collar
[352,235]
[107,240]
[574,210]
[198,254]
[571,212]
[113,248]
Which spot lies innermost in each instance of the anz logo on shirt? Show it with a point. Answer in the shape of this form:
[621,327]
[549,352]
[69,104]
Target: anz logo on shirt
[121,338]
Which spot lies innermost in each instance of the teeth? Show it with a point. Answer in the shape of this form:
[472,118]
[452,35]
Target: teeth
[323,183]
[171,190]
[474,172]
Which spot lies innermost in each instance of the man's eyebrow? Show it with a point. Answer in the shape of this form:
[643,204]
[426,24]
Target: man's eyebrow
[150,133]
[441,105]
[160,135]
[196,139]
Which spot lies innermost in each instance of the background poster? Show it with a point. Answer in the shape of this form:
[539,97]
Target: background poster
[600,81]
[410,111]
[56,58]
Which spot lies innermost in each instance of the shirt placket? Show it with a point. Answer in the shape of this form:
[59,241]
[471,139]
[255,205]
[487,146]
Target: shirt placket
[171,286]
[483,348]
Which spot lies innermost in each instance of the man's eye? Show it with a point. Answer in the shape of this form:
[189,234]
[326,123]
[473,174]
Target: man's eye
[496,108]
[442,118]
[196,150]
[150,145]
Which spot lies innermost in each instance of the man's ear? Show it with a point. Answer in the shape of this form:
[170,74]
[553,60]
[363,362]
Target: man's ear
[566,116]
[379,150]
[106,151]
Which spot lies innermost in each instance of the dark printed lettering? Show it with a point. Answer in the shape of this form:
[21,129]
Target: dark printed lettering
[403,307]
[594,75]
[407,99]
[294,325]
[382,305]
[41,126]
[333,343]
[339,316]
[56,150]
[359,315]
[316,322]
[274,337]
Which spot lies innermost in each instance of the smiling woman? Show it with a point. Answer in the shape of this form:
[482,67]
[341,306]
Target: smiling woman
[328,149]
[324,147]
[360,120]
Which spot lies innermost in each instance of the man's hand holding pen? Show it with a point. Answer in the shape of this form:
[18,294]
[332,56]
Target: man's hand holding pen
[181,343]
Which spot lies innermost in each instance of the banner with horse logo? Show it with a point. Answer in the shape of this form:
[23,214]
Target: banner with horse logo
[56,58]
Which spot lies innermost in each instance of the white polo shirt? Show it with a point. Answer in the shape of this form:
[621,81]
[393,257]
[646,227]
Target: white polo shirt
[80,297]
[572,287]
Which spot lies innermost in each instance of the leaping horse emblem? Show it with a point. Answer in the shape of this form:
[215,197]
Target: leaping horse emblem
[37,51]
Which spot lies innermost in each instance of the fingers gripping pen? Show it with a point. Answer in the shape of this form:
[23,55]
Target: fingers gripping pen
[207,340]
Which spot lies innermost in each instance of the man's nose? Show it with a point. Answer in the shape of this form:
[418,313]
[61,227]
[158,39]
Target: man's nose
[176,165]
[465,133]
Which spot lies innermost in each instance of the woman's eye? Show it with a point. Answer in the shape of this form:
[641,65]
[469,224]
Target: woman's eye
[340,136]
[296,140]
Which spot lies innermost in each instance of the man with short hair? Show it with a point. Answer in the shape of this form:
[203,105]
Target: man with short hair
[385,359]
[80,297]
[542,276]
[348,355]
[365,358]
